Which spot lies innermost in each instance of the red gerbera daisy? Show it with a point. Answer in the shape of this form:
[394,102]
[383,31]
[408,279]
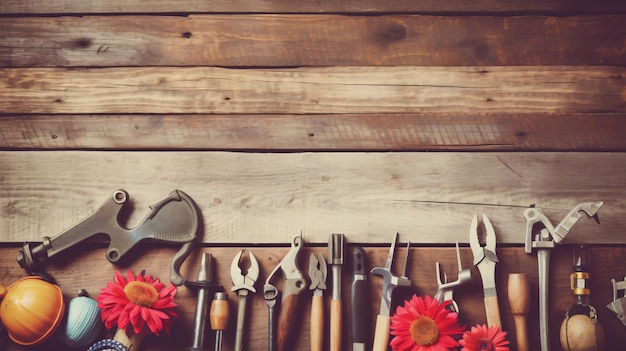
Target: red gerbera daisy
[423,324]
[481,337]
[137,304]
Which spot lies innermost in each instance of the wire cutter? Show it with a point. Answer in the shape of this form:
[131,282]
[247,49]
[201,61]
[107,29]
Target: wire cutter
[243,284]
[485,260]
[293,286]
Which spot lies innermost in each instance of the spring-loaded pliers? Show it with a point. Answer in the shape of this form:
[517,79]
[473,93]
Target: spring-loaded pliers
[445,289]
[485,260]
[293,285]
[243,284]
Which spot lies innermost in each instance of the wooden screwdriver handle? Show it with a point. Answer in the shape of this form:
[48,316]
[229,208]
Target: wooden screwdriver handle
[335,325]
[519,300]
[317,323]
[381,334]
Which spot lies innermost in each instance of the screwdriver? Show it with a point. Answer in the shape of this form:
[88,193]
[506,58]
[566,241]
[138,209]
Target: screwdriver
[218,315]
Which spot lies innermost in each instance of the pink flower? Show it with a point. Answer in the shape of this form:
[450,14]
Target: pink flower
[481,337]
[424,325]
[137,304]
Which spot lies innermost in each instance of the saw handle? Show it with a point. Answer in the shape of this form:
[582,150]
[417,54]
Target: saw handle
[519,300]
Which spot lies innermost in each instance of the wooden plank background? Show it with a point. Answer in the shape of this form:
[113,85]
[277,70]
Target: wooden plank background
[318,117]
[249,198]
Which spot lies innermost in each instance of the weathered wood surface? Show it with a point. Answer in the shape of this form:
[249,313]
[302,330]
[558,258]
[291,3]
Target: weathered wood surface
[264,198]
[87,268]
[311,40]
[320,132]
[511,89]
[274,6]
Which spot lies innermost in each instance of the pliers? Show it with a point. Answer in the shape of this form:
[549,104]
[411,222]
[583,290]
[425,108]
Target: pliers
[293,285]
[485,260]
[318,273]
[243,284]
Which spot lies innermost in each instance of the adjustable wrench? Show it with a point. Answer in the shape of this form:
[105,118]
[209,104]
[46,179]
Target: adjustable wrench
[544,241]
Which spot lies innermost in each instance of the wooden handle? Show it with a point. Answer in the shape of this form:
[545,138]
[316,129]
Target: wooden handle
[218,314]
[381,334]
[519,300]
[335,325]
[493,311]
[286,321]
[317,323]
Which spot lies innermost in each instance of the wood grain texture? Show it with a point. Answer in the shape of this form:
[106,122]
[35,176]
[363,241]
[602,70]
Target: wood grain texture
[508,89]
[265,197]
[320,132]
[274,6]
[311,40]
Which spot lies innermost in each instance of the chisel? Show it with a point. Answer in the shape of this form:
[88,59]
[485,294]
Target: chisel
[335,258]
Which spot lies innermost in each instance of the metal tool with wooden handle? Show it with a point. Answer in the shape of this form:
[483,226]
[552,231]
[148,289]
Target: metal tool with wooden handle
[293,286]
[390,282]
[519,300]
[542,236]
[219,317]
[335,258]
[485,260]
[317,274]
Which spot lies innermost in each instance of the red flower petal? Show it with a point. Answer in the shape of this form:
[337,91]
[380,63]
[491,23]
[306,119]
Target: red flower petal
[118,311]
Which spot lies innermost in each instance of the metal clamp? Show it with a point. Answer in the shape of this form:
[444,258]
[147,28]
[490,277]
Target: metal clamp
[172,219]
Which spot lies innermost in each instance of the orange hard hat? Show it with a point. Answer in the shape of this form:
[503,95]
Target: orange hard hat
[31,310]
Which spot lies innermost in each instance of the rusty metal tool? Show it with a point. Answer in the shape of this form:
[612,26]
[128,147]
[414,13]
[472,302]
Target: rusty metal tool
[445,289]
[172,219]
[390,282]
[293,285]
[361,333]
[317,273]
[206,289]
[544,241]
[618,306]
[243,284]
[219,316]
[485,259]
[519,300]
[335,258]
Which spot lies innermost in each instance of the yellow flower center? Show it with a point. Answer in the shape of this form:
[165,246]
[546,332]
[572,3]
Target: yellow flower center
[141,293]
[424,331]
